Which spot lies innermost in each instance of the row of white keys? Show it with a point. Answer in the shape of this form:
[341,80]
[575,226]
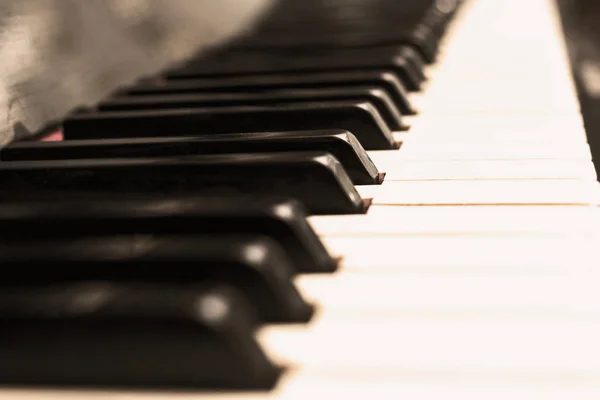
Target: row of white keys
[458,301]
[435,302]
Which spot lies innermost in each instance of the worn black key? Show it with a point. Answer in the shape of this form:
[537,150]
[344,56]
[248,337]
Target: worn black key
[360,118]
[398,60]
[316,179]
[343,145]
[256,265]
[131,335]
[376,97]
[384,80]
[281,220]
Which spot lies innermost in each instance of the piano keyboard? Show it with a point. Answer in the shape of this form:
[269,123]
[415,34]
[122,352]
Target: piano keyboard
[471,275]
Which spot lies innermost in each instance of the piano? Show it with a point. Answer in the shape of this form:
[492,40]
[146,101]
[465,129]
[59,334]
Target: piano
[401,205]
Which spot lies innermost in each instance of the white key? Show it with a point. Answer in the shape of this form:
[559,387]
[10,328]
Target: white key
[499,292]
[482,192]
[419,151]
[353,383]
[490,169]
[456,254]
[473,96]
[492,127]
[443,344]
[460,220]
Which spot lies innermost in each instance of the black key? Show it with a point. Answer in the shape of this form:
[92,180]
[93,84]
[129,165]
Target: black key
[316,179]
[361,24]
[384,80]
[414,58]
[131,335]
[343,145]
[397,60]
[255,265]
[376,97]
[439,15]
[422,39]
[360,118]
[281,220]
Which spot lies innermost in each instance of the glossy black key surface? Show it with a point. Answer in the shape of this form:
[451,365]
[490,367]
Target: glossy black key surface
[422,39]
[439,15]
[131,335]
[281,220]
[416,60]
[363,23]
[361,119]
[376,97]
[404,62]
[255,265]
[316,179]
[384,80]
[341,144]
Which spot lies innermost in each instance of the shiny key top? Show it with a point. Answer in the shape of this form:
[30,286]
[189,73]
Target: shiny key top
[133,335]
[360,118]
[385,80]
[316,179]
[341,144]
[406,64]
[376,97]
[282,220]
[257,266]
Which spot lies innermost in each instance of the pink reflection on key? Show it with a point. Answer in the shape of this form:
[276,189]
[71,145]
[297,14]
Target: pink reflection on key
[55,136]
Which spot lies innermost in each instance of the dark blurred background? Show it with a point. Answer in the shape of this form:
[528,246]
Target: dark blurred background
[581,21]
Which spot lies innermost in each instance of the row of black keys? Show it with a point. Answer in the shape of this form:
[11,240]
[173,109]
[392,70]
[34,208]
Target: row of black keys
[148,251]
[122,292]
[366,98]
[367,112]
[313,26]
